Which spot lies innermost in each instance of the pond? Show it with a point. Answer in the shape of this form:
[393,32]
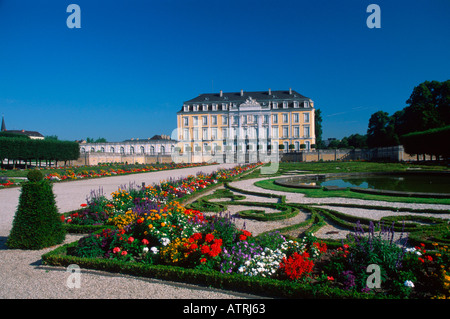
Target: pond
[402,183]
[432,182]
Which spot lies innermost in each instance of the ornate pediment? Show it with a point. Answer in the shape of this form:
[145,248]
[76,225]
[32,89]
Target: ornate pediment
[250,103]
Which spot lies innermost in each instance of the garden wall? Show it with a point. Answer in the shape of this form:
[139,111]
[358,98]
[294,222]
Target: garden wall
[96,158]
[392,154]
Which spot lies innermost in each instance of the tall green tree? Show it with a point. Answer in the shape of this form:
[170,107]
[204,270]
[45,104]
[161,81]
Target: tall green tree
[428,108]
[318,129]
[381,132]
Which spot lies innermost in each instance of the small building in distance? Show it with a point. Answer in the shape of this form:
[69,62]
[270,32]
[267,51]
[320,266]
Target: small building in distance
[30,134]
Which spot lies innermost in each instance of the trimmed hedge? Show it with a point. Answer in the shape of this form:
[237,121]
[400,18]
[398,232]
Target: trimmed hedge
[37,223]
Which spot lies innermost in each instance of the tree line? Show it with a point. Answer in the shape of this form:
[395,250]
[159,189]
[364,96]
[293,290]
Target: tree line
[422,126]
[18,148]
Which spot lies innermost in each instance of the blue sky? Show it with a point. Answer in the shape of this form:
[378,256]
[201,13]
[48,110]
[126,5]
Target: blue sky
[128,69]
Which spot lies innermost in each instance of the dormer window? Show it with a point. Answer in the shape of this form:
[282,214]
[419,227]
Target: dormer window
[275,105]
[285,105]
[195,107]
[295,104]
[224,106]
[205,107]
[186,108]
[214,107]
[306,104]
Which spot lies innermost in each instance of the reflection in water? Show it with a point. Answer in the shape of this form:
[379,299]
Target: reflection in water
[404,183]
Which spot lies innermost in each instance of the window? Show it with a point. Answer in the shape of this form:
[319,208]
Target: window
[295,104]
[286,147]
[235,119]
[214,120]
[205,107]
[306,104]
[296,131]
[244,119]
[186,121]
[205,133]
[196,134]
[274,131]
[285,105]
[214,133]
[308,145]
[224,106]
[224,120]
[285,118]
[205,120]
[296,117]
[163,150]
[122,150]
[297,145]
[275,118]
[224,133]
[214,107]
[255,118]
[195,120]
[112,150]
[142,150]
[266,119]
[306,131]
[131,150]
[275,105]
[306,117]
[186,134]
[152,150]
[285,131]
[195,107]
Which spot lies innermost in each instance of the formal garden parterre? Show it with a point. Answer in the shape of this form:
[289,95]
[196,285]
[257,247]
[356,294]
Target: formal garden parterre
[183,230]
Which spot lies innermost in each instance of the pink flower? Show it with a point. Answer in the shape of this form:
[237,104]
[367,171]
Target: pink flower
[124,253]
[130,240]
[116,250]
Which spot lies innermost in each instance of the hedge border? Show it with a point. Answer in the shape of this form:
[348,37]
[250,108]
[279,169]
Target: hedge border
[239,283]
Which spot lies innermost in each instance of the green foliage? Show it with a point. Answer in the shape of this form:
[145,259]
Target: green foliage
[35,175]
[37,223]
[15,148]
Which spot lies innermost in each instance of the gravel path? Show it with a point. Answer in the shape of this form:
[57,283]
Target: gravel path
[23,276]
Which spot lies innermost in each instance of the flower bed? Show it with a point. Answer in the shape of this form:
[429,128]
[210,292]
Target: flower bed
[63,174]
[147,232]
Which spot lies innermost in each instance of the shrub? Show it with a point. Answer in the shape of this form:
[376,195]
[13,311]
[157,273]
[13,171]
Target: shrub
[37,223]
[35,175]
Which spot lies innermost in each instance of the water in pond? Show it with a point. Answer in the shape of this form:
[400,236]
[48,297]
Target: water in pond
[403,183]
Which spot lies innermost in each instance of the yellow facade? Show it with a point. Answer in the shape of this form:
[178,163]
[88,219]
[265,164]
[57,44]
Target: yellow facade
[241,122]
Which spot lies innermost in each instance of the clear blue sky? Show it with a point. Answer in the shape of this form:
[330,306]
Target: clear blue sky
[128,69]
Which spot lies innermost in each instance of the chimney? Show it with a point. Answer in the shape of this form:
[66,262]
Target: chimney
[290,91]
[221,93]
[270,91]
[242,92]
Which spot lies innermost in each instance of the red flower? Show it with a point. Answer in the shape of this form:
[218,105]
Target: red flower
[242,237]
[116,250]
[124,253]
[193,247]
[83,205]
[130,240]
[62,218]
[205,249]
[209,238]
[145,241]
[196,236]
[203,260]
[421,260]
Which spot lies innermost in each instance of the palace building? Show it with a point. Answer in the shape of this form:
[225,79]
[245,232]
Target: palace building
[245,122]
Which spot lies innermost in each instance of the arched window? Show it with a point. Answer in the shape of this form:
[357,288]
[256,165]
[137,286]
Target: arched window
[308,145]
[122,150]
[142,150]
[103,150]
[131,150]
[83,150]
[152,150]
[92,149]
[112,150]
[297,145]
[163,150]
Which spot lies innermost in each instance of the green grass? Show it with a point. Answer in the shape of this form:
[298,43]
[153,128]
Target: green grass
[320,193]
[345,167]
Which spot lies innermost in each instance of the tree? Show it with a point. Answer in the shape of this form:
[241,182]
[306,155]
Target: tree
[37,223]
[318,129]
[380,132]
[428,108]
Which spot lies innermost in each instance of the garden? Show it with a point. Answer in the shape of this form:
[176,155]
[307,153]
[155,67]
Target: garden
[197,230]
[15,177]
